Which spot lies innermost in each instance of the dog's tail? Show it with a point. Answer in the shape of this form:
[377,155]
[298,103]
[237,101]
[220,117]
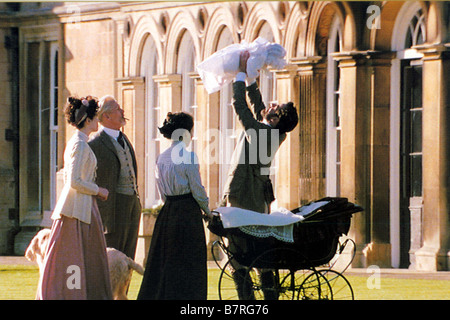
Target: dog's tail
[135,266]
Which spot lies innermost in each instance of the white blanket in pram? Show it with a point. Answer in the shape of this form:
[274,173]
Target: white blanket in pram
[278,224]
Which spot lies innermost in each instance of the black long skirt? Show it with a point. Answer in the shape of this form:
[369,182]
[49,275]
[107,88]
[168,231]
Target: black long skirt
[176,264]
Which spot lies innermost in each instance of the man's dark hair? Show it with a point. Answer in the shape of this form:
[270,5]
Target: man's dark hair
[288,117]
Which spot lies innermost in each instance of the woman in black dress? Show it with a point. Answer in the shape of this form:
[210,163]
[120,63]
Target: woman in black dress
[176,265]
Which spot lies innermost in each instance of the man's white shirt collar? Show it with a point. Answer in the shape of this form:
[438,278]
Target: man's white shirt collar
[113,133]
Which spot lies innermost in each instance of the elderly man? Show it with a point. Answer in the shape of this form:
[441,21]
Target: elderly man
[117,172]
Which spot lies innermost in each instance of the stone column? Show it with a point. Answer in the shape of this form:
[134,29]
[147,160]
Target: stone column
[131,96]
[416,214]
[434,254]
[355,118]
[311,150]
[378,252]
[288,164]
[169,94]
[208,117]
[207,121]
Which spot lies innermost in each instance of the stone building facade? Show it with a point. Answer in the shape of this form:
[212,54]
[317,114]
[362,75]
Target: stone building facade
[371,80]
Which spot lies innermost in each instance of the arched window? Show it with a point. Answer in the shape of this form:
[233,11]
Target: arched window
[227,125]
[333,138]
[39,161]
[53,124]
[267,83]
[186,67]
[416,30]
[149,66]
[410,135]
[406,131]
[268,88]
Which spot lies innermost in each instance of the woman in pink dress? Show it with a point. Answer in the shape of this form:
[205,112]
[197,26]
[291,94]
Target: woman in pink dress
[75,264]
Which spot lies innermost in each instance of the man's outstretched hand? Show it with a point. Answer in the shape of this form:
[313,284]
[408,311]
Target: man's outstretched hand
[243,57]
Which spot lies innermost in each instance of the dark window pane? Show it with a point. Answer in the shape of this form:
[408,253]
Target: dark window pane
[416,131]
[416,89]
[416,176]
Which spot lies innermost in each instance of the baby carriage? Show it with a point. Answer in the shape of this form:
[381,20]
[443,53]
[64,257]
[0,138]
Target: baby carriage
[309,266]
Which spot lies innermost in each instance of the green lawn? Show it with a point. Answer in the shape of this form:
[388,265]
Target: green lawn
[20,282]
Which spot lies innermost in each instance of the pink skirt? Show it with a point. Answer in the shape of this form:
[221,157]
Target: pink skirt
[76,264]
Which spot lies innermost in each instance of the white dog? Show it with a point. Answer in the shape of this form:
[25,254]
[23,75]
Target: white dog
[120,266]
[37,248]
[120,270]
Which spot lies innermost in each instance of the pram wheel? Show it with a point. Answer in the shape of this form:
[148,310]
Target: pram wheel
[325,285]
[273,282]
[287,283]
[302,283]
[227,286]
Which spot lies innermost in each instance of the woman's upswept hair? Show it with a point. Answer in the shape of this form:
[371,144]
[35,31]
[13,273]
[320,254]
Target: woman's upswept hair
[79,109]
[176,121]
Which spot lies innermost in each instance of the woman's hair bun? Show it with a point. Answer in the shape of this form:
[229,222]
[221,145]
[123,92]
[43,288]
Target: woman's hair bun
[174,121]
[76,112]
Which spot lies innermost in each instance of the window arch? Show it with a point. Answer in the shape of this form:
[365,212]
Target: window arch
[148,69]
[227,124]
[268,88]
[406,129]
[416,34]
[53,125]
[186,67]
[267,81]
[333,123]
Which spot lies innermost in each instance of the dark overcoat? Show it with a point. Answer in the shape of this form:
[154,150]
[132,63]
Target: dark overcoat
[254,152]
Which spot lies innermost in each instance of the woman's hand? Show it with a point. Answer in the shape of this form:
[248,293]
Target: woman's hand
[102,194]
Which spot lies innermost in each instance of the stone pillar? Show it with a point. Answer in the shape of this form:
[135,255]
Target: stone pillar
[289,166]
[208,117]
[207,121]
[169,94]
[131,96]
[434,253]
[9,142]
[354,147]
[416,212]
[378,252]
[311,150]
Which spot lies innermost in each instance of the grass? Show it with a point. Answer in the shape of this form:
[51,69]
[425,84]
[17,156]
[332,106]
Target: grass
[20,282]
